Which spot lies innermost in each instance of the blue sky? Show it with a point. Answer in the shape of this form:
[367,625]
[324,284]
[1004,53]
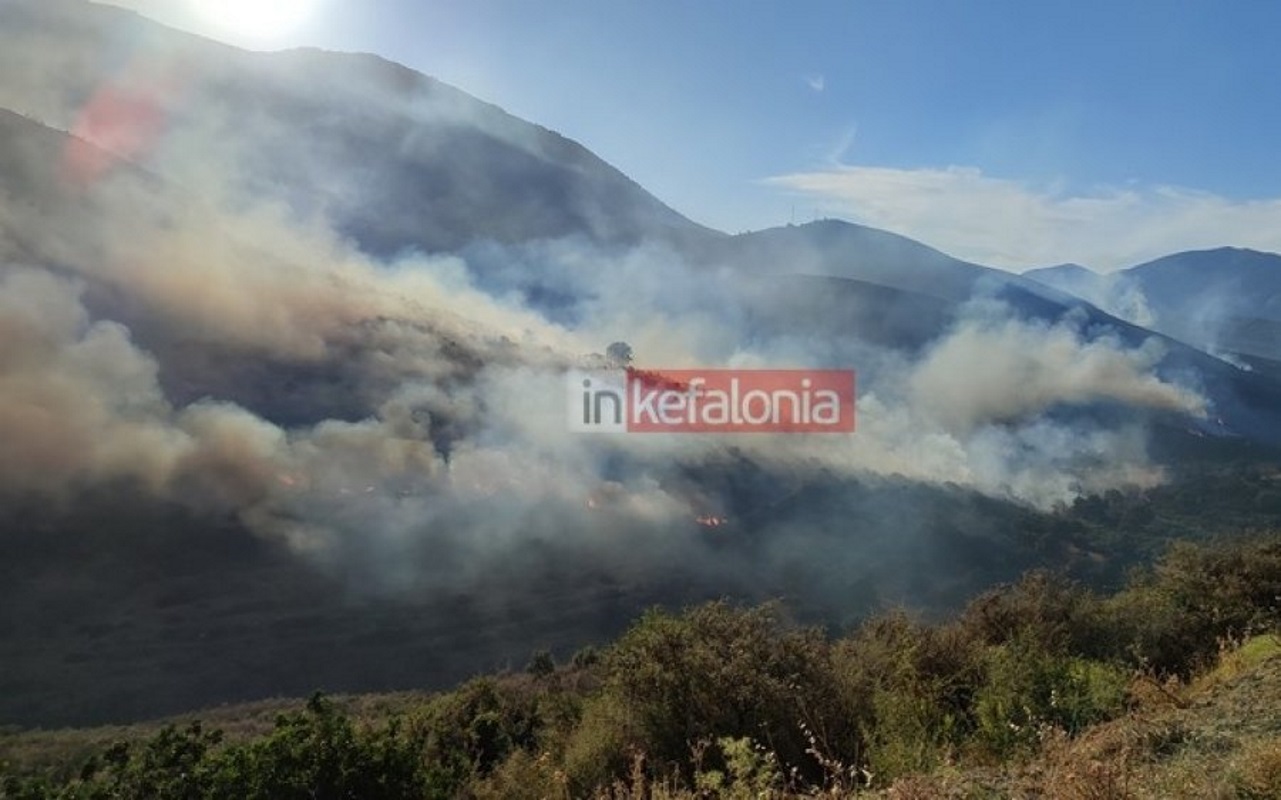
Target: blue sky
[1012,133]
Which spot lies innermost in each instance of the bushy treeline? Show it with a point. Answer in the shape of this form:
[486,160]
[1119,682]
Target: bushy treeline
[723,700]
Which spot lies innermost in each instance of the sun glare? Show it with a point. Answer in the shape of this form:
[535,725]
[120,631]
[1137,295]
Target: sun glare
[255,19]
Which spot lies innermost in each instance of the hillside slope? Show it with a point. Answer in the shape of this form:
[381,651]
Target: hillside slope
[1225,300]
[427,167]
[1037,689]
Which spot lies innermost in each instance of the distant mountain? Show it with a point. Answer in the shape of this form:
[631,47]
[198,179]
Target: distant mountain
[1227,300]
[1068,271]
[839,280]
[839,249]
[1072,278]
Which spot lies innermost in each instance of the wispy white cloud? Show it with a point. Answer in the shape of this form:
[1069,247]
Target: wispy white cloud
[843,144]
[1016,224]
[816,82]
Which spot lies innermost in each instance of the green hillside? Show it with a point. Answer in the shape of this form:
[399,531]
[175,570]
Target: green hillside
[1170,687]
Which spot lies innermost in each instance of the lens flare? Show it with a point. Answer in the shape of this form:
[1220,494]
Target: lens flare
[256,19]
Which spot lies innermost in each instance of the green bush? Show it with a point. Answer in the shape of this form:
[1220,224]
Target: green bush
[319,754]
[601,748]
[1045,608]
[470,731]
[315,754]
[1173,619]
[1027,688]
[716,672]
[910,687]
[751,771]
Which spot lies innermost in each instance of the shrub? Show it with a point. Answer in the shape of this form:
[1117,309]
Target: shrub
[1028,688]
[1046,608]
[523,776]
[541,664]
[601,748]
[1172,619]
[316,753]
[911,687]
[716,672]
[751,771]
[469,732]
[321,753]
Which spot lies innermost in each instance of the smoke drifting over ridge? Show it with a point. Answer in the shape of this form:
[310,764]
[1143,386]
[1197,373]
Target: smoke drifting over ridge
[419,349]
[1004,370]
[211,326]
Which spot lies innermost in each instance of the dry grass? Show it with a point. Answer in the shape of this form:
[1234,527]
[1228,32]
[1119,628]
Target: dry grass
[1257,771]
[1217,737]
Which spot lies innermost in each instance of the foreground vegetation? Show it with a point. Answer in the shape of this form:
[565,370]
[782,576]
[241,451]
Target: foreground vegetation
[1169,687]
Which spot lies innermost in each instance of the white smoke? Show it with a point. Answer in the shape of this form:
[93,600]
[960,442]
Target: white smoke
[157,325]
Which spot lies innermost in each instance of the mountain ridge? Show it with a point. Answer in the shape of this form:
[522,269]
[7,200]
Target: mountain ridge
[407,122]
[1225,299]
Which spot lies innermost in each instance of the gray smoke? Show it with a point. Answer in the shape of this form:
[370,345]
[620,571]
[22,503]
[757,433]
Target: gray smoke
[153,328]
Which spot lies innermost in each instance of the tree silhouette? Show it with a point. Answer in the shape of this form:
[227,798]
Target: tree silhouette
[619,355]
